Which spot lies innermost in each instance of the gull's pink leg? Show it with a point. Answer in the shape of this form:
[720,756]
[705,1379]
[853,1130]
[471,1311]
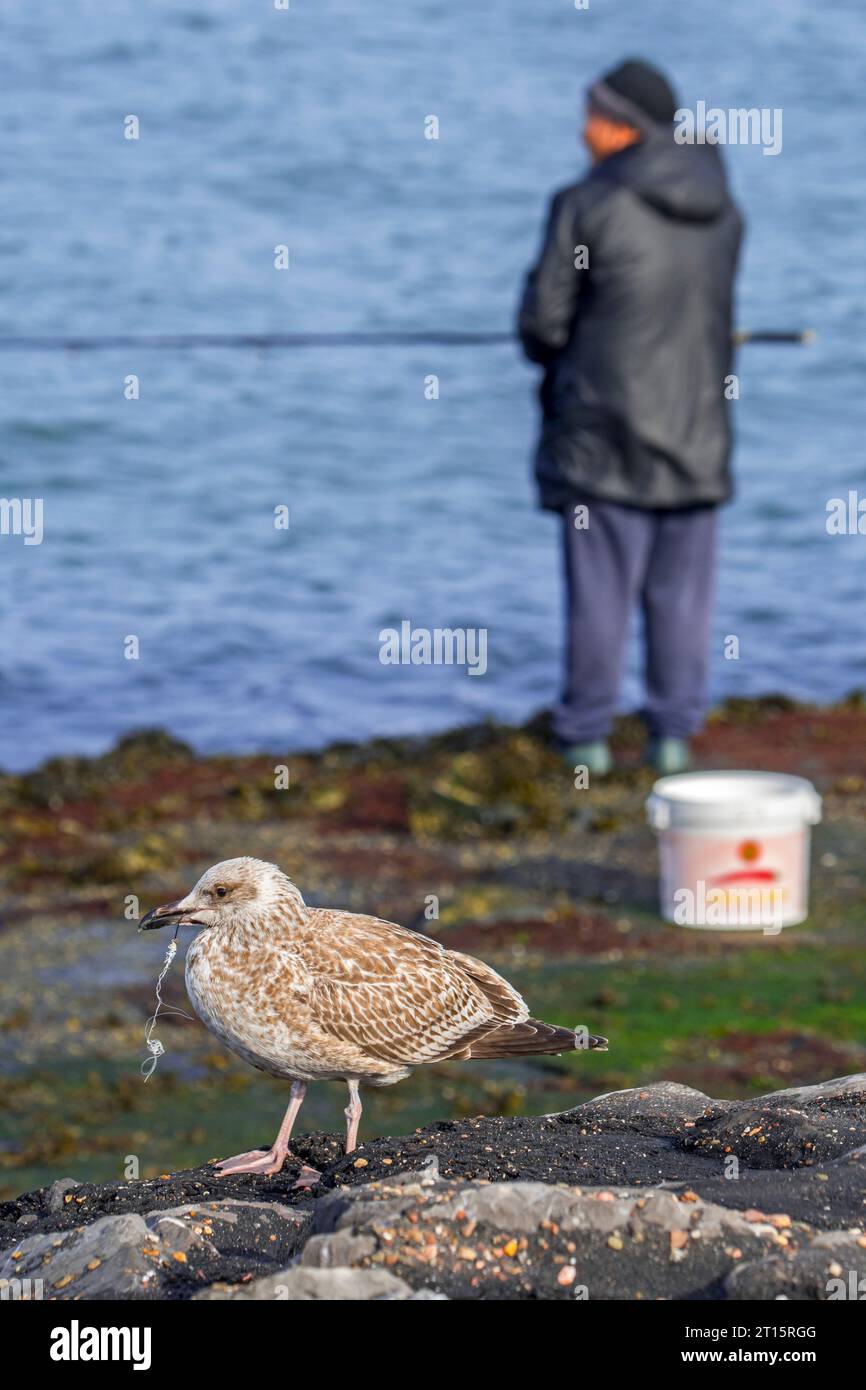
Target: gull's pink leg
[352,1113]
[272,1160]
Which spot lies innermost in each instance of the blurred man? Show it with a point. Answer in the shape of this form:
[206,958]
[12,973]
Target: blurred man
[629,312]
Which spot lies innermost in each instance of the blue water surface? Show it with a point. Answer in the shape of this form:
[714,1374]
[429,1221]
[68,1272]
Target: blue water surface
[261,127]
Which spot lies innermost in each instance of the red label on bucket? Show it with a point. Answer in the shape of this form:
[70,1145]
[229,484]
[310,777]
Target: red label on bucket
[722,882]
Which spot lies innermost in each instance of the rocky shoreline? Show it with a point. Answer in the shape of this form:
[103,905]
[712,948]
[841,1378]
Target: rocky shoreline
[658,1192]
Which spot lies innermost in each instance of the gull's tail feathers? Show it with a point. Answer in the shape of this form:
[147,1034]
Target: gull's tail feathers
[534,1036]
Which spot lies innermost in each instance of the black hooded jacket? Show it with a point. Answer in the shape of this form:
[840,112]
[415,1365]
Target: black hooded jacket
[636,341]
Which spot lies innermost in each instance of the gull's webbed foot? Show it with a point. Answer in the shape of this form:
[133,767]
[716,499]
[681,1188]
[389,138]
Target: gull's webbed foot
[265,1161]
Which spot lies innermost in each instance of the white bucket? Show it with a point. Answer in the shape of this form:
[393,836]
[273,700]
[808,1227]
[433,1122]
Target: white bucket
[734,848]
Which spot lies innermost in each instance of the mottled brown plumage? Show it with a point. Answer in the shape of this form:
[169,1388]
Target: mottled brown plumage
[311,994]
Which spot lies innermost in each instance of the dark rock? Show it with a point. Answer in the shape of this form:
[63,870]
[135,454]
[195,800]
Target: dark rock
[830,1268]
[653,1192]
[775,1137]
[337,1250]
[789,1129]
[162,1254]
[535,1241]
[105,1260]
[57,1193]
[648,1110]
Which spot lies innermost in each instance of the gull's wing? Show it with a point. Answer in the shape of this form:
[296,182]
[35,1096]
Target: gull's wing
[396,995]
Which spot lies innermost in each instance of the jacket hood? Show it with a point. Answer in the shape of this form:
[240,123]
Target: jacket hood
[685,182]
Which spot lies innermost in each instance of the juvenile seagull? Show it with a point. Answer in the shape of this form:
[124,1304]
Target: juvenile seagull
[312,994]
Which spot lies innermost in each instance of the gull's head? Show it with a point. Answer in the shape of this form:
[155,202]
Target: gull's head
[236,890]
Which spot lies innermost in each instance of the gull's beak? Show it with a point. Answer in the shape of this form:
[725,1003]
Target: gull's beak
[180,914]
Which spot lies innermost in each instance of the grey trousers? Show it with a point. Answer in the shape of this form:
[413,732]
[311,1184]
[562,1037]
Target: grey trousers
[663,561]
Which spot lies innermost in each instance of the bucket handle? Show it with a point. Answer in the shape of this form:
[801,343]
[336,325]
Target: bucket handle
[813,811]
[658,812]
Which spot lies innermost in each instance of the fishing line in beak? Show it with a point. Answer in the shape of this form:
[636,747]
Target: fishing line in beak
[154,1046]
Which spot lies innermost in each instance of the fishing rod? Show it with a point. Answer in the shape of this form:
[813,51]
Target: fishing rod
[771,335]
[169,342]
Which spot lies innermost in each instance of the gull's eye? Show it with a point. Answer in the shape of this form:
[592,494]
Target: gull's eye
[221,892]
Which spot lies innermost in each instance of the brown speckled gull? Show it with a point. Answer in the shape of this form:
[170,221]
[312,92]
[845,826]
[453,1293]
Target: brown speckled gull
[313,994]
